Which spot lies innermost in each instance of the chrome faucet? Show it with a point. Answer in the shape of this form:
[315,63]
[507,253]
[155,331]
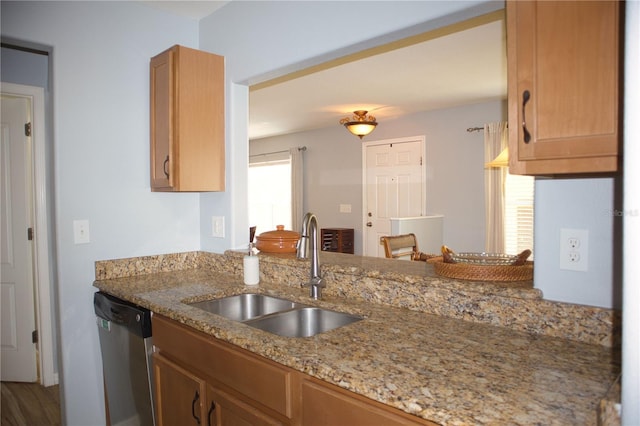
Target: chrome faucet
[309,242]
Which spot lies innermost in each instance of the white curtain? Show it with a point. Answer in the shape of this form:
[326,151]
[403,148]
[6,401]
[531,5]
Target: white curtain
[495,140]
[297,191]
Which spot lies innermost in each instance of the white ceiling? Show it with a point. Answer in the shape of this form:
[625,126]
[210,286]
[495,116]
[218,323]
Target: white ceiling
[465,67]
[189,8]
[461,68]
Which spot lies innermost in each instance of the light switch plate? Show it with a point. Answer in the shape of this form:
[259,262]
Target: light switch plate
[81,232]
[217,226]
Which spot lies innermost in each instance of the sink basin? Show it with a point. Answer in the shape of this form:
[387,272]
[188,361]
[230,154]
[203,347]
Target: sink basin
[275,315]
[303,322]
[243,307]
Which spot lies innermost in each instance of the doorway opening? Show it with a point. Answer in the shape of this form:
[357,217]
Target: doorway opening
[15,59]
[394,178]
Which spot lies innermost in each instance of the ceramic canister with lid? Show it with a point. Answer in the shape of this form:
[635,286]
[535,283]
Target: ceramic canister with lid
[278,241]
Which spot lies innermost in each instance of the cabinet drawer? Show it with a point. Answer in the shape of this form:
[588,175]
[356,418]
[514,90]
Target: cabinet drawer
[347,408]
[261,380]
[229,410]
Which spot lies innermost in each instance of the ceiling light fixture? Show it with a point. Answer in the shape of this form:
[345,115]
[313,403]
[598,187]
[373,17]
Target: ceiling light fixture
[360,124]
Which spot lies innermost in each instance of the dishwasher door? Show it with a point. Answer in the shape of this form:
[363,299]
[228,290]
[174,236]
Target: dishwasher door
[126,345]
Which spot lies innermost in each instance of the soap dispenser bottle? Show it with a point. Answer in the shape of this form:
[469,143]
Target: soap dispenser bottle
[251,264]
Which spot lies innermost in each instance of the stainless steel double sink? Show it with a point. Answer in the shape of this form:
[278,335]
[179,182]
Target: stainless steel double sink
[275,315]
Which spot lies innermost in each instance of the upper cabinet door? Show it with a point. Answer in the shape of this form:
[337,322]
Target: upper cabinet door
[161,123]
[187,121]
[563,81]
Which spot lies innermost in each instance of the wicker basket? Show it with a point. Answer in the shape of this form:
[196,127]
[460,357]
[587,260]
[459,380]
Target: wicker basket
[465,271]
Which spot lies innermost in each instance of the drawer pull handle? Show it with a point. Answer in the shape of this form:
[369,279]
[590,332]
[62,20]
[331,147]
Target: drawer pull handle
[525,98]
[212,409]
[196,398]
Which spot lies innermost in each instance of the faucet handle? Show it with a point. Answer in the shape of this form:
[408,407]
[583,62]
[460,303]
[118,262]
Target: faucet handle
[316,282]
[315,285]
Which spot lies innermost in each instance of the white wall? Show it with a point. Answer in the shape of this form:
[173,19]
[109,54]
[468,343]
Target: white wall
[631,218]
[32,72]
[578,204]
[100,86]
[263,39]
[454,163]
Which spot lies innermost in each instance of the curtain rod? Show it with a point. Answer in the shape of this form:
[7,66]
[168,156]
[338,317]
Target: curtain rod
[477,129]
[300,148]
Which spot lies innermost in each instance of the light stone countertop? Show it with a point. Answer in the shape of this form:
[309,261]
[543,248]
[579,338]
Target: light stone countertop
[442,369]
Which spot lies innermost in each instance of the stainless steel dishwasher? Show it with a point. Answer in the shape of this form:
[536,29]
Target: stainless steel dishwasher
[126,346]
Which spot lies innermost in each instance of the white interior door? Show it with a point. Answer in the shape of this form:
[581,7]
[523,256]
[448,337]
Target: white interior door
[17,292]
[394,187]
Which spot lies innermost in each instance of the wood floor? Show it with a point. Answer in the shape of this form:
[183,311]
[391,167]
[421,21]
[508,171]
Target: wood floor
[30,404]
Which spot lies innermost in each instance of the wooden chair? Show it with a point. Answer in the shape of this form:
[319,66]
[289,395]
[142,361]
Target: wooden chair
[400,246]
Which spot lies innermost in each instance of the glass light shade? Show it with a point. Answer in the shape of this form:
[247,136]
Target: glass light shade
[360,124]
[360,129]
[502,160]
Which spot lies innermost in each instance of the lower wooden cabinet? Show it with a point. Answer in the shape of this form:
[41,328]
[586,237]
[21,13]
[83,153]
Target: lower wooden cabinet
[227,410]
[183,398]
[324,404]
[201,380]
[180,394]
[234,386]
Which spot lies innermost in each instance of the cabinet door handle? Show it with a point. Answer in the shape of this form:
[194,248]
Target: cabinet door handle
[196,398]
[525,98]
[212,409]
[164,167]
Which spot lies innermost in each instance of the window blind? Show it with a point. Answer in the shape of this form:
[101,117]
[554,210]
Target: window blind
[518,221]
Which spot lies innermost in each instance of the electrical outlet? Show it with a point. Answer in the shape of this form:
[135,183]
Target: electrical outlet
[217,226]
[574,249]
[81,232]
[574,242]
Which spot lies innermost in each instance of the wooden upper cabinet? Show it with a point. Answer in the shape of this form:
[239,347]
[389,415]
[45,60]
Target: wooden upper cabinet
[187,121]
[563,83]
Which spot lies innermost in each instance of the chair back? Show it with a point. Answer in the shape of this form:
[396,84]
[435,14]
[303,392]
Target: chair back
[400,246]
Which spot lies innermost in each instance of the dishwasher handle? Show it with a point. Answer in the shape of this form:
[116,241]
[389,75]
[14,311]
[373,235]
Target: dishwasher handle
[117,311]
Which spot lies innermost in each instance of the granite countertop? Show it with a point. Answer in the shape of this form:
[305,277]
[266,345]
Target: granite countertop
[442,369]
